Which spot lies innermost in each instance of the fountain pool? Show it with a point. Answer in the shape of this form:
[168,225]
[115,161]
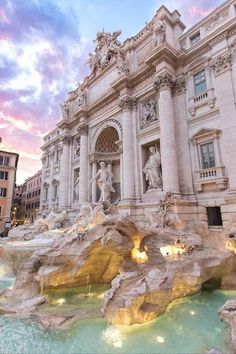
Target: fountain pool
[191,326]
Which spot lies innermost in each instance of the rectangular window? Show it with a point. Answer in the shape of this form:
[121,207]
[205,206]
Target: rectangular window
[207,155]
[3,192]
[199,80]
[55,191]
[0,211]
[214,216]
[195,38]
[4,175]
[46,193]
[4,160]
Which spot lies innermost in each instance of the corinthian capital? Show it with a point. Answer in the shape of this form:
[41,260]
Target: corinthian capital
[221,63]
[164,80]
[128,103]
[83,129]
[180,84]
[66,140]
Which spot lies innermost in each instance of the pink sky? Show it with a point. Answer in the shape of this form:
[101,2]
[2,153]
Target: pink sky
[43,48]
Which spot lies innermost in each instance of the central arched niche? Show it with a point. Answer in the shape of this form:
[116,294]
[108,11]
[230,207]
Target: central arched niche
[106,141]
[108,150]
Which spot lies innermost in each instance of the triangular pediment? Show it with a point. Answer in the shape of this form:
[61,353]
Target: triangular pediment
[205,132]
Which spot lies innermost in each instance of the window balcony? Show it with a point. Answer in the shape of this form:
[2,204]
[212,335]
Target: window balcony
[210,179]
[205,98]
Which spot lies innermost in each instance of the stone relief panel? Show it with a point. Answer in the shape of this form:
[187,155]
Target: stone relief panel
[149,113]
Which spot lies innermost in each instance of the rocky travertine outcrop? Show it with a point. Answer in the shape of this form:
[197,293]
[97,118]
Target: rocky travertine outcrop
[73,261]
[147,269]
[145,294]
[228,314]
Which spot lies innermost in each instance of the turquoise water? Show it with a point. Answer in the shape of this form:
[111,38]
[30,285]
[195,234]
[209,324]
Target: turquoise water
[191,326]
[6,282]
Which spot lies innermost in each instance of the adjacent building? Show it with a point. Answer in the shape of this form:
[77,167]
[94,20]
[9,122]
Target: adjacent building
[8,167]
[159,110]
[26,200]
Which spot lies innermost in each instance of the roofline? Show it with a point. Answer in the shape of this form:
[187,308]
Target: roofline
[206,18]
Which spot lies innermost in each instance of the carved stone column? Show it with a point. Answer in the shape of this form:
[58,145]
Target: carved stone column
[83,179]
[164,84]
[50,187]
[127,104]
[94,183]
[64,172]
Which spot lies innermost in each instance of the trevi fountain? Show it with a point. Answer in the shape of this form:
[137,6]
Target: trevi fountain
[92,281]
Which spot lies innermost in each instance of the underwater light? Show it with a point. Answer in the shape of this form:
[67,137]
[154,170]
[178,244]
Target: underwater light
[113,337]
[59,302]
[160,340]
[192,313]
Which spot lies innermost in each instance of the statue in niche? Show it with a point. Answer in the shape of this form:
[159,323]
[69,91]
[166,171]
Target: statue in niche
[104,181]
[152,170]
[159,32]
[76,187]
[76,148]
[149,112]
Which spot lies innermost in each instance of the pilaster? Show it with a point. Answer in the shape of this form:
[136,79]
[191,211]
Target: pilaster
[83,177]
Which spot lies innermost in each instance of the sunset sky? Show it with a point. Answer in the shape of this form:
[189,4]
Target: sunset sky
[44,45]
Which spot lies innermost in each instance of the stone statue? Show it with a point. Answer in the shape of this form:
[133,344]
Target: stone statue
[76,187]
[65,109]
[104,182]
[94,62]
[152,170]
[108,49]
[159,31]
[76,147]
[165,215]
[121,64]
[53,220]
[81,95]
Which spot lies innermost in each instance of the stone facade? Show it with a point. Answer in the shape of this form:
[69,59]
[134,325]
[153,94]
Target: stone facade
[8,167]
[162,88]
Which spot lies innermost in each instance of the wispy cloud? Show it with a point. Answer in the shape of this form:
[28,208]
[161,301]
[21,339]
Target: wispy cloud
[43,47]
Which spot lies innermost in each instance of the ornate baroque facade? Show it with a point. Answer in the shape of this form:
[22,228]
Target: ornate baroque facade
[159,110]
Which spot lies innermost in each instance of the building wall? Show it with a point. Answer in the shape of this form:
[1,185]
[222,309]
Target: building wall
[31,199]
[184,120]
[8,167]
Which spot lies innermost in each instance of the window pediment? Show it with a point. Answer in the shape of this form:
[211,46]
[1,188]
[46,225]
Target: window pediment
[205,134]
